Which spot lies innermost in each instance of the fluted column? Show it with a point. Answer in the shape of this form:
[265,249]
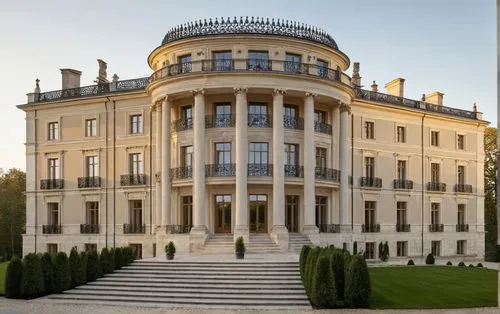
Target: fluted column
[158,163]
[335,155]
[199,162]
[165,164]
[344,165]
[309,164]
[241,228]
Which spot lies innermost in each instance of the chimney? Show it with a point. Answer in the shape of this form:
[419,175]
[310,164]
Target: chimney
[70,78]
[435,98]
[356,79]
[374,87]
[396,87]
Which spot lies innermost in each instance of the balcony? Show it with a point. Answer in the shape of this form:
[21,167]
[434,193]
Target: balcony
[182,125]
[403,228]
[463,188]
[180,68]
[51,229]
[220,121]
[436,228]
[371,182]
[259,65]
[436,186]
[89,182]
[294,171]
[402,184]
[295,123]
[134,228]
[296,67]
[462,227]
[181,173]
[216,65]
[89,228]
[260,170]
[322,127]
[329,228]
[132,179]
[328,174]
[370,228]
[51,184]
[179,229]
[221,170]
[260,121]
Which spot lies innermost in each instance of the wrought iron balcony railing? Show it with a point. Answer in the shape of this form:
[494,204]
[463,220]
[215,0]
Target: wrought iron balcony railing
[180,173]
[182,125]
[328,174]
[403,228]
[220,121]
[436,186]
[371,182]
[329,228]
[462,228]
[89,228]
[296,67]
[436,228]
[295,171]
[370,228]
[220,170]
[403,184]
[463,188]
[51,184]
[134,228]
[89,182]
[179,228]
[51,229]
[132,179]
[322,127]
[260,170]
[259,65]
[260,121]
[296,123]
[218,65]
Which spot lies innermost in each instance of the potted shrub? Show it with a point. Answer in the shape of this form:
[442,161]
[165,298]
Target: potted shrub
[170,250]
[239,248]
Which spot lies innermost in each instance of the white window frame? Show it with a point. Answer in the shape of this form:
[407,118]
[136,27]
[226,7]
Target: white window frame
[438,138]
[365,121]
[396,133]
[85,119]
[57,134]
[129,123]
[465,141]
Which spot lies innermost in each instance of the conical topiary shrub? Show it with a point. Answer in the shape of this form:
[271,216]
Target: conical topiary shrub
[429,260]
[32,284]
[118,258]
[337,265]
[47,269]
[105,261]
[302,260]
[323,287]
[62,273]
[13,278]
[74,264]
[358,285]
[111,257]
[83,268]
[93,266]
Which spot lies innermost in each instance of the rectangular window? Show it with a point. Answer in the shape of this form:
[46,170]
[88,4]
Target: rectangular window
[53,131]
[370,213]
[135,164]
[89,247]
[91,127]
[92,166]
[291,154]
[320,157]
[291,111]
[461,175]
[435,171]
[223,153]
[258,60]
[135,212]
[187,210]
[435,213]
[92,213]
[461,214]
[321,210]
[322,67]
[185,63]
[257,109]
[320,116]
[401,213]
[259,153]
[402,248]
[52,248]
[187,113]
[292,63]
[370,250]
[401,130]
[186,156]
[53,211]
[53,168]
[222,61]
[434,138]
[401,170]
[461,141]
[136,126]
[461,247]
[370,167]
[369,130]
[436,248]
[223,109]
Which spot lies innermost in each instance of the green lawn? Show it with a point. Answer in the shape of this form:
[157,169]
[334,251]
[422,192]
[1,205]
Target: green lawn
[425,287]
[3,269]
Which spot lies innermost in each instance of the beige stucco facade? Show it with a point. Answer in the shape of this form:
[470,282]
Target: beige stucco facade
[318,190]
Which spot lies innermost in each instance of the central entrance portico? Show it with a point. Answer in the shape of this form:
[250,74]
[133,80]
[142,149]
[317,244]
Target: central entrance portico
[258,213]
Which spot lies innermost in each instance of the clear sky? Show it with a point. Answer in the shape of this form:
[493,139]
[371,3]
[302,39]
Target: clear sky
[443,45]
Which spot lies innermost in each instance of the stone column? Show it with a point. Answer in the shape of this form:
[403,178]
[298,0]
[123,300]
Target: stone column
[309,174]
[199,226]
[165,165]
[241,227]
[335,217]
[279,233]
[157,108]
[344,166]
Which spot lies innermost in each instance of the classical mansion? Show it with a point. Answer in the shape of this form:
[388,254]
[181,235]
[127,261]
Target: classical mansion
[253,128]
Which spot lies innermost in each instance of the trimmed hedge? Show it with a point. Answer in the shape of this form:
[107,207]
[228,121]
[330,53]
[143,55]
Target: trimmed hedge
[119,258]
[358,285]
[93,266]
[479,265]
[129,255]
[47,269]
[461,264]
[13,278]
[337,266]
[62,273]
[302,260]
[74,265]
[83,267]
[105,261]
[449,263]
[411,263]
[32,284]
[112,259]
[355,248]
[429,260]
[323,286]
[470,265]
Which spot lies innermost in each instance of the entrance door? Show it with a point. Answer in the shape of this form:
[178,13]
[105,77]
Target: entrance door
[258,213]
[223,213]
[292,213]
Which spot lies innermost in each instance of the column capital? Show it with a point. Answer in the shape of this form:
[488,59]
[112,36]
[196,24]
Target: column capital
[345,107]
[279,92]
[157,104]
[240,90]
[198,91]
[308,94]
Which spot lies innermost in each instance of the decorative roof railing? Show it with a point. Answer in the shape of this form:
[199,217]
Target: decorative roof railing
[410,103]
[253,26]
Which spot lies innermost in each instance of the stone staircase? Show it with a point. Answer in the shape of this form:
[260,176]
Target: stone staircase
[221,243]
[232,284]
[296,241]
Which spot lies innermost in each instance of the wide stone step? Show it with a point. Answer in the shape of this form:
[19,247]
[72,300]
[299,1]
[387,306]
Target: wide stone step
[204,276]
[232,263]
[209,272]
[285,289]
[250,286]
[214,281]
[204,268]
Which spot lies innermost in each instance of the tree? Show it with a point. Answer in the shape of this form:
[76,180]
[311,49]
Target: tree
[490,216]
[12,211]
